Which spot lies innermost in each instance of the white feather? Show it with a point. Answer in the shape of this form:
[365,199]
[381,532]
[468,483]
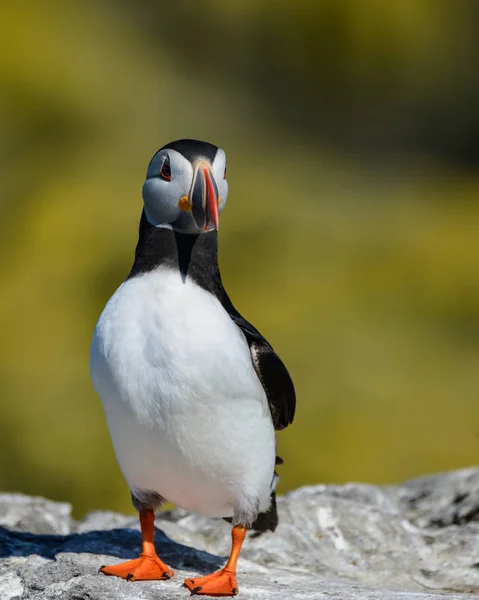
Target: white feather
[187,413]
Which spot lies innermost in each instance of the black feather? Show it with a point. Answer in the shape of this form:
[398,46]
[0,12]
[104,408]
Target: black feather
[193,149]
[267,521]
[270,369]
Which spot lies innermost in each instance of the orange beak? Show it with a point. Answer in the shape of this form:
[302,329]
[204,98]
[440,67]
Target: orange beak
[204,198]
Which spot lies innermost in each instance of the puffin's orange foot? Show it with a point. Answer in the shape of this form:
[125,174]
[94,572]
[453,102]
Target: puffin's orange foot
[145,567]
[221,583]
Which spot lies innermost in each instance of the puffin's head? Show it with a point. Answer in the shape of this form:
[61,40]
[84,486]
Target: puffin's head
[186,188]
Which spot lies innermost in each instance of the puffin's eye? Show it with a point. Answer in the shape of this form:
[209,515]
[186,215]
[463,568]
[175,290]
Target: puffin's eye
[165,172]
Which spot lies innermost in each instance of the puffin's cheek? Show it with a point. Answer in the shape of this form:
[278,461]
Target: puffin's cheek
[223,189]
[161,202]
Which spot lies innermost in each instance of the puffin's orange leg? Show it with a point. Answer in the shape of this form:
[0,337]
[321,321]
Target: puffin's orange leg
[221,583]
[148,565]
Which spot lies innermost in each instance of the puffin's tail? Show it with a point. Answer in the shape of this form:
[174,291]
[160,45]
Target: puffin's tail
[268,521]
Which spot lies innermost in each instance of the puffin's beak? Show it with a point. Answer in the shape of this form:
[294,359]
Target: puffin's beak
[204,198]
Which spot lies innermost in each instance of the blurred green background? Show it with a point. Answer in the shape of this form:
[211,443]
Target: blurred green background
[351,236]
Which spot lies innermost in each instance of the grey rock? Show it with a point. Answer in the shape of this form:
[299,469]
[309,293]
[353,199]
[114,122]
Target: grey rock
[34,514]
[416,541]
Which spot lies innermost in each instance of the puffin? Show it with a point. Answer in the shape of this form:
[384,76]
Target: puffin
[192,392]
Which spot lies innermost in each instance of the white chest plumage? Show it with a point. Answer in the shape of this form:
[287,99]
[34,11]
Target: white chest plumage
[187,413]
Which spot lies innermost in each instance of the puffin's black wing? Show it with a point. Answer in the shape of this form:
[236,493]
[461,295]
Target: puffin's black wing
[271,371]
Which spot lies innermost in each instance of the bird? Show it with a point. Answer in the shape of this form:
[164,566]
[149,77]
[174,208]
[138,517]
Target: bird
[192,392]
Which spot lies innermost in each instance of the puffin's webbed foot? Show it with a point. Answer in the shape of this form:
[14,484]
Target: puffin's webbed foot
[221,583]
[144,567]
[148,565]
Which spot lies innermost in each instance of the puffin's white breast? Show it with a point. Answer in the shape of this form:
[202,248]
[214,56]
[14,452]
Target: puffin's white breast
[187,413]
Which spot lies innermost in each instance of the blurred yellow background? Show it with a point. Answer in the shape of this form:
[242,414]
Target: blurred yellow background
[350,239]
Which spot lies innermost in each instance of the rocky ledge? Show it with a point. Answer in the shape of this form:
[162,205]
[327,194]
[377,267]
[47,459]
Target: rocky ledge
[419,540]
